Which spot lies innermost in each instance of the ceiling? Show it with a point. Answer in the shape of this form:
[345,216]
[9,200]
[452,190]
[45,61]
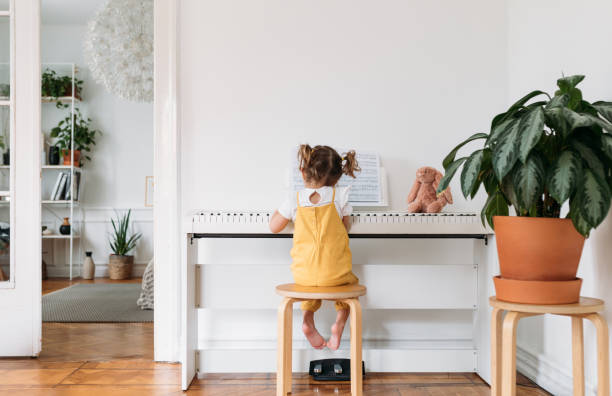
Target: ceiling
[69,12]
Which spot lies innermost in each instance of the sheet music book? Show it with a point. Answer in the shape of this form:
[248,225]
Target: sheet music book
[365,188]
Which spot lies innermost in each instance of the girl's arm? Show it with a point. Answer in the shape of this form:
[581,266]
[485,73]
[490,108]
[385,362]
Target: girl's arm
[278,223]
[346,220]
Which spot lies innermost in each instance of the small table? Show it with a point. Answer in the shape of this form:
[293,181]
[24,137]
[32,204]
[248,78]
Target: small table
[503,342]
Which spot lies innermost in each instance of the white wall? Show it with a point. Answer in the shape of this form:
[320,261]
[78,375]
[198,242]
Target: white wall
[545,39]
[408,79]
[121,159]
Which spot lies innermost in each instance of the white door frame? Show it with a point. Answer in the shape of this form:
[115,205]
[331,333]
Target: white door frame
[20,299]
[167,197]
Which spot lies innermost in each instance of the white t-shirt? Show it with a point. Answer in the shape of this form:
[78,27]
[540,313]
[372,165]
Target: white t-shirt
[288,209]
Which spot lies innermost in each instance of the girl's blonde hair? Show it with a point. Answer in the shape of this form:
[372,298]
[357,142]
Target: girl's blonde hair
[323,165]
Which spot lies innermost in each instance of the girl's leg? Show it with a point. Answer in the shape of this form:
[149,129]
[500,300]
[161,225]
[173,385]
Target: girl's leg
[342,314]
[308,325]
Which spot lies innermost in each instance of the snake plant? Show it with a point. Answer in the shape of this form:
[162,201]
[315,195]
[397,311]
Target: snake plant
[539,154]
[120,243]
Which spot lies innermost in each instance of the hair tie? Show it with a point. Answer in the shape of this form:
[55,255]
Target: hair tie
[343,158]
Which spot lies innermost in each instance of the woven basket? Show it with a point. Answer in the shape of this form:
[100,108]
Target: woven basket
[120,267]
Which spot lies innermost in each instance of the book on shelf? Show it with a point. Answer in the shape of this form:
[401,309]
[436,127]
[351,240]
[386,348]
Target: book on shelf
[74,182]
[77,185]
[56,186]
[62,186]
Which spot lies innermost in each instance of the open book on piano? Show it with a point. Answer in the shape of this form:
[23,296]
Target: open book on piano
[235,224]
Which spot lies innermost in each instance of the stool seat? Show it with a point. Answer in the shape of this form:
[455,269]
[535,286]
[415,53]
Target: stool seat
[585,305]
[292,290]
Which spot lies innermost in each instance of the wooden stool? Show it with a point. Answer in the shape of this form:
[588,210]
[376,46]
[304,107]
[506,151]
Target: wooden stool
[348,294]
[503,342]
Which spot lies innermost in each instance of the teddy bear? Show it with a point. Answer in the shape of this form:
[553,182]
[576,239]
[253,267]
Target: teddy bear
[423,197]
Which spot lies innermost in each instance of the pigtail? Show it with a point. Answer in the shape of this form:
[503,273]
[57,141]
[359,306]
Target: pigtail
[350,165]
[304,155]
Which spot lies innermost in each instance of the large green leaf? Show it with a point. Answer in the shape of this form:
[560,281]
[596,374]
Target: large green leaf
[567,83]
[555,119]
[605,109]
[531,128]
[580,223]
[594,198]
[495,206]
[505,152]
[507,187]
[449,173]
[585,120]
[564,176]
[606,144]
[451,156]
[529,181]
[469,174]
[558,101]
[500,129]
[489,182]
[521,102]
[588,155]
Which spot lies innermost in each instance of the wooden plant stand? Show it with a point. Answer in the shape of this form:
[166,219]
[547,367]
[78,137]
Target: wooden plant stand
[503,342]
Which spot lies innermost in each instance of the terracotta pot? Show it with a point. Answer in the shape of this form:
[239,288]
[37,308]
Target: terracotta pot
[538,260]
[76,156]
[120,267]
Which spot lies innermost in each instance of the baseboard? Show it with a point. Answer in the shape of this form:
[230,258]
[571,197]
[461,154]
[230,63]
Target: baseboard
[390,356]
[63,271]
[547,374]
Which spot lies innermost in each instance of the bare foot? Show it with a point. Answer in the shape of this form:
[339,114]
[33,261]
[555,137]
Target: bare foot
[337,329]
[310,331]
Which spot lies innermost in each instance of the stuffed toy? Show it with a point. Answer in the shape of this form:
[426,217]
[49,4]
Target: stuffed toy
[423,197]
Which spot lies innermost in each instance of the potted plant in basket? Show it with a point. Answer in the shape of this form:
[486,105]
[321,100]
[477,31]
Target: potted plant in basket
[120,264]
[84,138]
[538,156]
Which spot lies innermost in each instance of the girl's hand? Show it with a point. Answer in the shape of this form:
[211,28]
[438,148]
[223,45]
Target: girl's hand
[278,222]
[346,220]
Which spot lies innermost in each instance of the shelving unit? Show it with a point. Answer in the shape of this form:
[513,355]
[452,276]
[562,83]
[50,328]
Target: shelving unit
[72,205]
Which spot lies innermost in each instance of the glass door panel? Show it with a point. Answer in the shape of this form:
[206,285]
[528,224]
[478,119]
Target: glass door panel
[6,140]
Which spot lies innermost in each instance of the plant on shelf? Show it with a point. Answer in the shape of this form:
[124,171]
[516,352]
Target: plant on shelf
[56,86]
[539,155]
[84,137]
[121,243]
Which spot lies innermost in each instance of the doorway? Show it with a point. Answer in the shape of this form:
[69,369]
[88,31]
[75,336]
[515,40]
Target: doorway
[96,179]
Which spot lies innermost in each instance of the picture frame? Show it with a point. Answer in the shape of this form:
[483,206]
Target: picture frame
[149,191]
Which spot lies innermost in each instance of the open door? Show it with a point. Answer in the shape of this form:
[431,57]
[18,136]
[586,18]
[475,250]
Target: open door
[20,242]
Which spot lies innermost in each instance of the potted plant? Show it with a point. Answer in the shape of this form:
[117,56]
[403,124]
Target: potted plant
[538,156]
[120,264]
[84,138]
[56,86]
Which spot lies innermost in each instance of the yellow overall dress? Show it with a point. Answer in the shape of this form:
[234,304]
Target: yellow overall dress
[321,254]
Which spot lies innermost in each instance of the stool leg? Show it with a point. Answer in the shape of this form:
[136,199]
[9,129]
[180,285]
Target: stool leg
[509,353]
[578,355]
[285,338]
[603,354]
[356,351]
[496,346]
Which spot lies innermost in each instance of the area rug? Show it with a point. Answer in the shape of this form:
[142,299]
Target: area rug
[104,302]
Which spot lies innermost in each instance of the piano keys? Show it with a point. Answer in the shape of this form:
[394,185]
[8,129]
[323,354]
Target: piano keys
[387,224]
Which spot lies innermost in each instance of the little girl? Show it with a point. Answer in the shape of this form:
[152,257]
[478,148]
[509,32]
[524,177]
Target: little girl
[320,253]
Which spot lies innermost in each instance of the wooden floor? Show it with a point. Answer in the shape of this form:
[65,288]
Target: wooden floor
[116,359]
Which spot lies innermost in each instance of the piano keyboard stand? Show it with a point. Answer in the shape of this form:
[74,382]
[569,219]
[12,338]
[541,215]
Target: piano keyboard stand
[332,369]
